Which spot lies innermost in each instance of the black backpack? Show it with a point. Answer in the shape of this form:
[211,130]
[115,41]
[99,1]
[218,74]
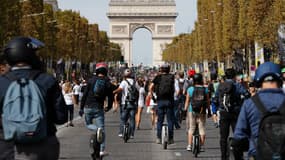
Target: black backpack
[133,93]
[271,139]
[227,98]
[199,99]
[165,88]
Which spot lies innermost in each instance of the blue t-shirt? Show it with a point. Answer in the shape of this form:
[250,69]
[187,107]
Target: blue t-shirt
[190,91]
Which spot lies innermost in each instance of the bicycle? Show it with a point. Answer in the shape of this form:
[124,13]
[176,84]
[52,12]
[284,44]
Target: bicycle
[196,142]
[164,135]
[95,143]
[126,132]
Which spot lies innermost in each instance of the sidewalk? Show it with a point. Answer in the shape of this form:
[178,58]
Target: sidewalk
[74,142]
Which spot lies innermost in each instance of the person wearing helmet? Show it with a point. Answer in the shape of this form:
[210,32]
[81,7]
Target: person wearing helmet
[163,86]
[21,55]
[283,78]
[268,79]
[229,95]
[197,116]
[128,105]
[92,103]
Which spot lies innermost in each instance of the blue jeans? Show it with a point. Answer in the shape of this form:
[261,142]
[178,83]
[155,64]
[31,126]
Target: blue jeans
[165,107]
[98,115]
[128,112]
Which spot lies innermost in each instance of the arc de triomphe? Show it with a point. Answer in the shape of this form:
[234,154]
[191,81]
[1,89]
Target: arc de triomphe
[126,16]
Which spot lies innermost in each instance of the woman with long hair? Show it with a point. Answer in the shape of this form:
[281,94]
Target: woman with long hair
[69,100]
[140,83]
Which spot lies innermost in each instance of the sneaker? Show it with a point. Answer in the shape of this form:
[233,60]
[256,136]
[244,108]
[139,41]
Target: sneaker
[158,141]
[202,149]
[99,135]
[170,141]
[120,135]
[131,137]
[104,153]
[189,148]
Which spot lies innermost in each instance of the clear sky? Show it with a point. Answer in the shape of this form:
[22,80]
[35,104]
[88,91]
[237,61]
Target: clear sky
[95,11]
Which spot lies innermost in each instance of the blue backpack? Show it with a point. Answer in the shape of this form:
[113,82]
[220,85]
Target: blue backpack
[24,111]
[99,88]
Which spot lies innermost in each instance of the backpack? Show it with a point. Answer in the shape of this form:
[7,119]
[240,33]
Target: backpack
[227,98]
[165,88]
[271,139]
[133,93]
[198,100]
[99,88]
[24,111]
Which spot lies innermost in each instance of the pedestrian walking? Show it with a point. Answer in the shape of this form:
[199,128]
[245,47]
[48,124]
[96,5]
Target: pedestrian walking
[229,93]
[141,103]
[26,72]
[69,99]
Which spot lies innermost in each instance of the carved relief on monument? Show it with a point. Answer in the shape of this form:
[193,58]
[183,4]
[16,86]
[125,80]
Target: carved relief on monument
[164,29]
[134,26]
[119,29]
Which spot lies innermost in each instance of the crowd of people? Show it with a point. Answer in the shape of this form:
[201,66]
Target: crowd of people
[253,111]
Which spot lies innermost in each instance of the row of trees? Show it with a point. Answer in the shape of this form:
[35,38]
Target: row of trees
[66,34]
[227,27]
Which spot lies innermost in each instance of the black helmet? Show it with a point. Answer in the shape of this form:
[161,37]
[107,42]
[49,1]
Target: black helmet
[198,78]
[165,68]
[230,73]
[22,49]
[102,68]
[128,73]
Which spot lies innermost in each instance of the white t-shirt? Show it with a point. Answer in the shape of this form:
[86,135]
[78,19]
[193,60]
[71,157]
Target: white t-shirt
[124,85]
[141,97]
[68,98]
[76,89]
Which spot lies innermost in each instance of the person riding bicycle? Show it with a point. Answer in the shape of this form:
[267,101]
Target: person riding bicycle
[268,78]
[128,108]
[197,102]
[92,103]
[163,84]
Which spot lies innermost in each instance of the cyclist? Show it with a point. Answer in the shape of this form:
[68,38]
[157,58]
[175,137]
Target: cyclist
[163,84]
[268,78]
[128,109]
[94,105]
[197,116]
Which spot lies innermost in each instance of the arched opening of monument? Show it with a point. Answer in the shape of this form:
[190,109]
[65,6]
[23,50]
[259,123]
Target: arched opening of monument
[142,47]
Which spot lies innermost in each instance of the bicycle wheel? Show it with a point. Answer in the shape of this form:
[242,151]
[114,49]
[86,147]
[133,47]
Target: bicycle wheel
[196,146]
[164,137]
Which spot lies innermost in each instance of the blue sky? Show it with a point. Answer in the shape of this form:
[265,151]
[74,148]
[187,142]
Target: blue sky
[95,12]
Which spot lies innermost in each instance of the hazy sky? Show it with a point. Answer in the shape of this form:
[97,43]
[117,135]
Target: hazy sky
[95,12]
